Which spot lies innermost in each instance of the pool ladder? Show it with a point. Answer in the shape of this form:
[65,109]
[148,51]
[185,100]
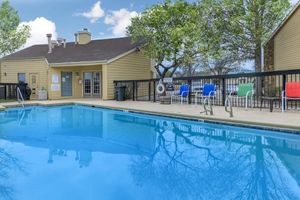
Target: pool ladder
[228,104]
[209,110]
[20,97]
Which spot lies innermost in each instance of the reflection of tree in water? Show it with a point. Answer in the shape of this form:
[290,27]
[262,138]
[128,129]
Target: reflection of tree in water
[7,163]
[209,163]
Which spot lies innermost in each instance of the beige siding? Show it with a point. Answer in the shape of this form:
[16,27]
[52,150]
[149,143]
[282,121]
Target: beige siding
[0,72]
[84,38]
[77,83]
[287,44]
[10,69]
[130,67]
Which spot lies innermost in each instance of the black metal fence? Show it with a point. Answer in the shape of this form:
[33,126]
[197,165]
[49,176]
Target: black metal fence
[8,91]
[266,84]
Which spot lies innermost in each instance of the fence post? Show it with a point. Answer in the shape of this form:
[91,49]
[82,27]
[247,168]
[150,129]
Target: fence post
[9,91]
[154,91]
[190,91]
[5,92]
[133,90]
[283,88]
[116,85]
[149,91]
[223,91]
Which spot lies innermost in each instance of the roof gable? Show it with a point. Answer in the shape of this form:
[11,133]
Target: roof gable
[284,21]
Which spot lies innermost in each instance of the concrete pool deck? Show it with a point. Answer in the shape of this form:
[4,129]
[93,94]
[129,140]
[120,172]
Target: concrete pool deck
[254,117]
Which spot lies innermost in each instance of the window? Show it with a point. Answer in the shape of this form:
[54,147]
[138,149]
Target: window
[21,78]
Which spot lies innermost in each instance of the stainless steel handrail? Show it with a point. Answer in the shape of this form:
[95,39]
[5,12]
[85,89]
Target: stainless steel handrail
[20,97]
[208,110]
[228,103]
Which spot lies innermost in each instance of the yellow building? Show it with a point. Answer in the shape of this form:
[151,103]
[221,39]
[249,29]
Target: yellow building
[84,68]
[282,49]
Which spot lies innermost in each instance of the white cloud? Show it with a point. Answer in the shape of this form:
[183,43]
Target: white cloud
[94,14]
[120,20]
[38,30]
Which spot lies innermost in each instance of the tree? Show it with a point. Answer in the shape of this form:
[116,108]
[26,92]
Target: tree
[12,35]
[167,31]
[249,23]
[235,30]
[217,56]
[215,52]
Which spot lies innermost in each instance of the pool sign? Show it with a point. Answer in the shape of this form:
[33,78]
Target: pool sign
[54,78]
[168,80]
[169,87]
[55,87]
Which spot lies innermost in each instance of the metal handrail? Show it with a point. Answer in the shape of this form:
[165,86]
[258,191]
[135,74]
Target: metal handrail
[206,110]
[228,103]
[20,97]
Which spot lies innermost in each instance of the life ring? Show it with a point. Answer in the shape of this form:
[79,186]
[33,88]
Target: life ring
[160,88]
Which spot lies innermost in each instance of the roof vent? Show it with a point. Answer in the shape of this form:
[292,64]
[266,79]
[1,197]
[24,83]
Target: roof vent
[61,41]
[76,38]
[49,36]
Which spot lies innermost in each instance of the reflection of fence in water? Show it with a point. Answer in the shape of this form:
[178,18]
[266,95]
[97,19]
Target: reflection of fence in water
[278,143]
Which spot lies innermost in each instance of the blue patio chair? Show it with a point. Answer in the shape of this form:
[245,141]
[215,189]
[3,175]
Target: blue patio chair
[209,91]
[183,94]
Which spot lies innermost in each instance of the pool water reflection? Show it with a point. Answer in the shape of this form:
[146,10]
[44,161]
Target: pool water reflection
[77,152]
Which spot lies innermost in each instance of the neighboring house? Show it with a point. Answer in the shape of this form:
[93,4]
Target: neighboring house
[282,49]
[84,68]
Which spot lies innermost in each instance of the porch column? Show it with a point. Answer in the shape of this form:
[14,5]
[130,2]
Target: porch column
[104,82]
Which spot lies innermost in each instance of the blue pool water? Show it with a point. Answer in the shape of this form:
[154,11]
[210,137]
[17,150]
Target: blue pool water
[85,153]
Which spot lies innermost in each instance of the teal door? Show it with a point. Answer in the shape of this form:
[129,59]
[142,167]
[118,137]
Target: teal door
[66,84]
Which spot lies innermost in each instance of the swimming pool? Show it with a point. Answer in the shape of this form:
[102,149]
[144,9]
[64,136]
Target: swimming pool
[77,152]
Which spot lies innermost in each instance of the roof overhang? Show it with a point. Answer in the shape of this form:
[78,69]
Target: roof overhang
[78,64]
[21,59]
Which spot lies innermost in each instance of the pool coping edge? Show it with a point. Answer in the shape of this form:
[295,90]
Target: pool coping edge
[215,120]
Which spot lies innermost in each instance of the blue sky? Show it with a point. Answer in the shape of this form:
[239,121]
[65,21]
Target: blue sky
[62,18]
[105,18]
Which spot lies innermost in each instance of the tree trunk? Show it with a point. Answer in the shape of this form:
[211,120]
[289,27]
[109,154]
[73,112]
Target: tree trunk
[258,58]
[190,69]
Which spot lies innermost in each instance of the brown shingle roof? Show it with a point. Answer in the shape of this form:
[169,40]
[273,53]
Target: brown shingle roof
[36,51]
[96,50]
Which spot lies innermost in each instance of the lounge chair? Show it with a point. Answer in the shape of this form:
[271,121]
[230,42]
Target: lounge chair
[209,91]
[183,94]
[292,92]
[245,91]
